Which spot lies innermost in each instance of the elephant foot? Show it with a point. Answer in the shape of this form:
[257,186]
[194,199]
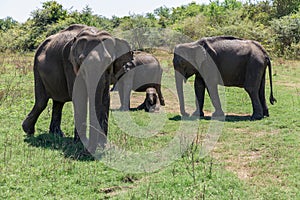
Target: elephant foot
[198,113]
[256,116]
[29,130]
[162,103]
[57,131]
[219,113]
[266,113]
[184,114]
[123,109]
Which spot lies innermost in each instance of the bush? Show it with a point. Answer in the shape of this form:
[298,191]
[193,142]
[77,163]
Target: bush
[287,32]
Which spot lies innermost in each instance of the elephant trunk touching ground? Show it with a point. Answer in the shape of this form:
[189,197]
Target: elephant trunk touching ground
[227,61]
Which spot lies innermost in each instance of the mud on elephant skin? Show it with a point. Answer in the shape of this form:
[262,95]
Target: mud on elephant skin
[227,61]
[143,72]
[57,63]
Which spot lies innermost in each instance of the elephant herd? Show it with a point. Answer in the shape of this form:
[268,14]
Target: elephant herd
[65,57]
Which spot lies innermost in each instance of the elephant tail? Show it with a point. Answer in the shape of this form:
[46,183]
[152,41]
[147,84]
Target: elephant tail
[272,99]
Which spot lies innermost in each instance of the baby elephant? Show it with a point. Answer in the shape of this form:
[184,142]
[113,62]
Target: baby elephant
[143,74]
[151,102]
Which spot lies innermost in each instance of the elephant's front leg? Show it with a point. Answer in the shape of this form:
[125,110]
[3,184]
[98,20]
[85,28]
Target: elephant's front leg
[56,118]
[215,99]
[199,87]
[125,86]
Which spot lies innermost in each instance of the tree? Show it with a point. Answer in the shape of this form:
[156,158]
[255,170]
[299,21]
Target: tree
[7,23]
[287,31]
[50,13]
[286,7]
[164,15]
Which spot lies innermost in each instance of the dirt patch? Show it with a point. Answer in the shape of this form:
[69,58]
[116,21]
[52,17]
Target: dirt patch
[137,98]
[260,133]
[115,190]
[240,164]
[290,85]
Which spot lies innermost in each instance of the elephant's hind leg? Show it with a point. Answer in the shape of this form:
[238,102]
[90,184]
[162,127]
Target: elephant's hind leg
[41,100]
[262,97]
[256,104]
[56,118]
[253,82]
[29,123]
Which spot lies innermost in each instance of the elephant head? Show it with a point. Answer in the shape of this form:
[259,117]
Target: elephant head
[86,41]
[188,60]
[151,102]
[95,56]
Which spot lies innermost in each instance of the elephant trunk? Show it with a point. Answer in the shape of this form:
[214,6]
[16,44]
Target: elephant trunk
[179,86]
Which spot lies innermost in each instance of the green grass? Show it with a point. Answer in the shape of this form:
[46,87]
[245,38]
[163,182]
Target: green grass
[251,160]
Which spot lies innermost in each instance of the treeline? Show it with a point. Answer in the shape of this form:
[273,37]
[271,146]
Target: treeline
[274,23]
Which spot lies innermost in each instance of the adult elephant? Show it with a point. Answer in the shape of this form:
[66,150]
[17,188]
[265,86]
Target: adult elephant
[143,72]
[57,64]
[224,60]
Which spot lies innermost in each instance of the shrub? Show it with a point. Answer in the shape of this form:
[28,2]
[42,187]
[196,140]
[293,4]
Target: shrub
[287,32]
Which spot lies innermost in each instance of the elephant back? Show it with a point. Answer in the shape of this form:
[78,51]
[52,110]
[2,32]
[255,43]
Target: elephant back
[147,72]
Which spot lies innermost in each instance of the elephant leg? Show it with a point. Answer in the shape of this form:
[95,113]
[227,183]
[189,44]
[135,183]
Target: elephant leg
[41,101]
[215,99]
[56,118]
[256,104]
[29,123]
[199,87]
[124,93]
[160,96]
[262,97]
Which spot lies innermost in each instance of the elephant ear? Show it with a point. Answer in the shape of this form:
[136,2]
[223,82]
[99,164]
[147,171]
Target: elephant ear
[122,47]
[68,60]
[208,48]
[209,70]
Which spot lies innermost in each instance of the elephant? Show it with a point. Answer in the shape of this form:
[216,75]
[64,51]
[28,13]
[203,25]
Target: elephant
[151,102]
[223,60]
[57,64]
[143,72]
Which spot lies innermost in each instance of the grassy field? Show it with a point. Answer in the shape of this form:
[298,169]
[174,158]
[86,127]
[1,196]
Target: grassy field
[251,160]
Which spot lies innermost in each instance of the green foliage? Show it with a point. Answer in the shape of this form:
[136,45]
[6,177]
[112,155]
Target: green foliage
[261,12]
[286,7]
[51,13]
[287,34]
[7,23]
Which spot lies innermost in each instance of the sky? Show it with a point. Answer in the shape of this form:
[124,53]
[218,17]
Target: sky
[20,9]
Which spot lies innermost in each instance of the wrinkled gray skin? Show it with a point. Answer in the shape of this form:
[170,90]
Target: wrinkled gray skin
[226,61]
[56,63]
[144,68]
